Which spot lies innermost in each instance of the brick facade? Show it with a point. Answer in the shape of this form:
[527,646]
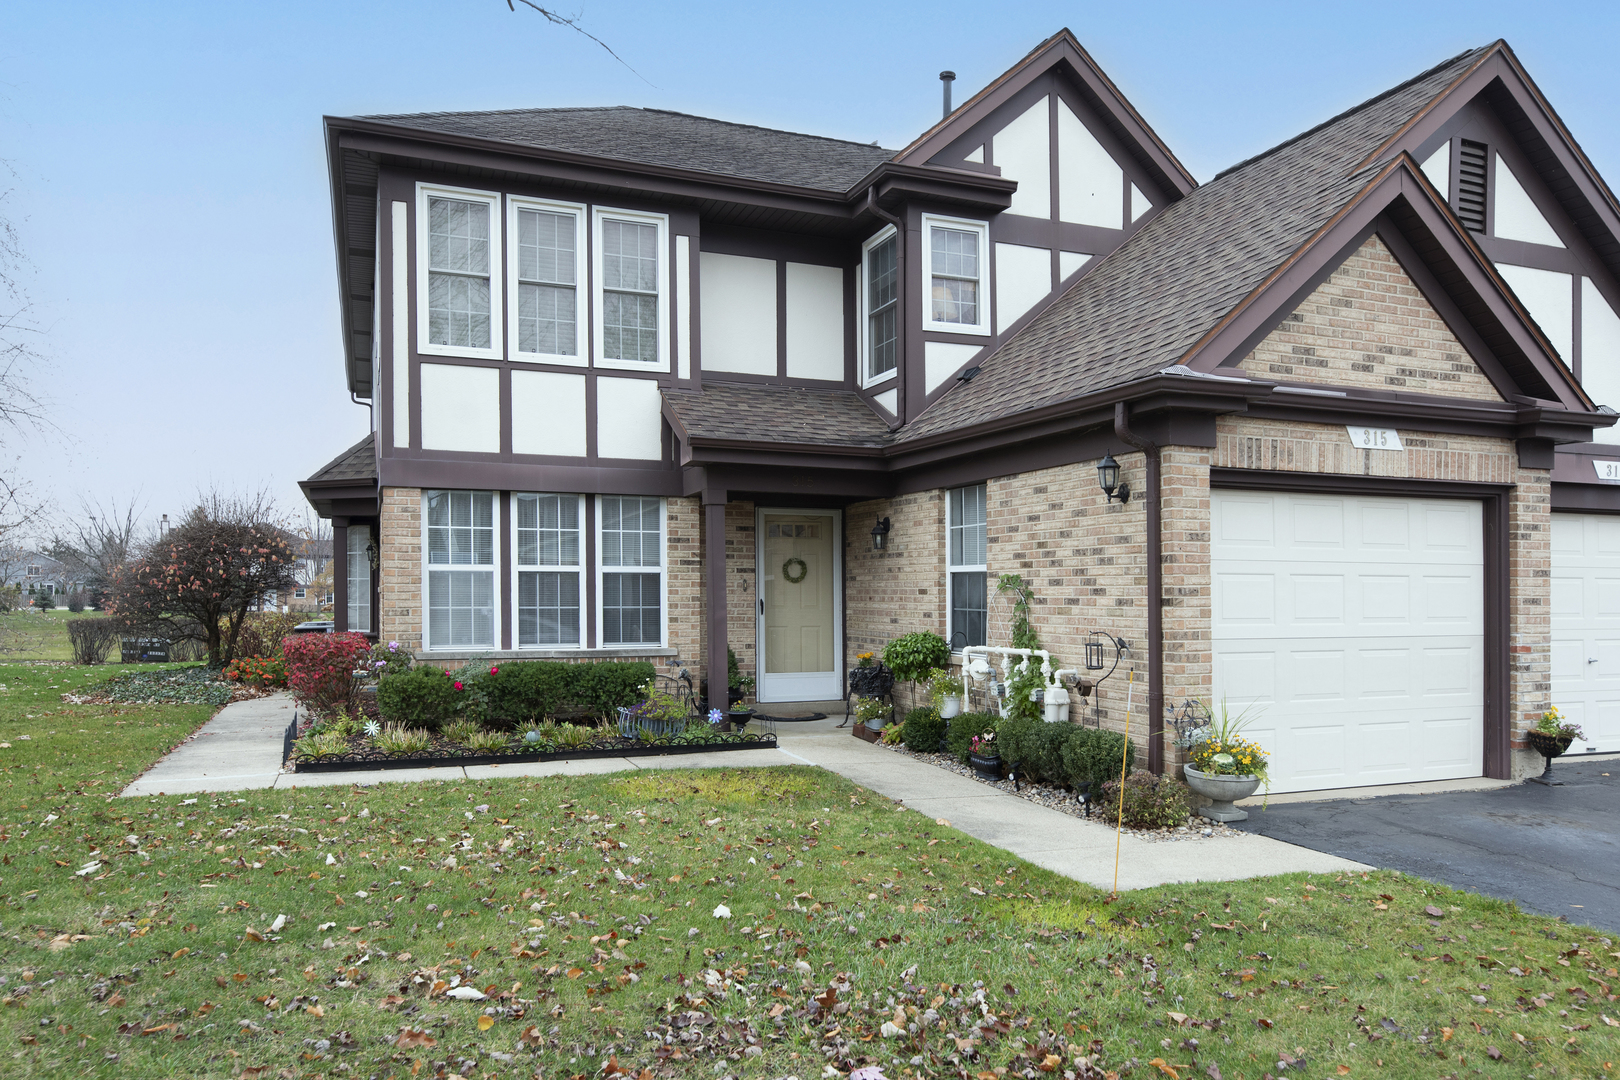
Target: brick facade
[1369,326]
[900,589]
[399,590]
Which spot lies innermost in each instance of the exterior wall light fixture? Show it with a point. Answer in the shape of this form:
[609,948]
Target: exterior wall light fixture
[1108,479]
[880,534]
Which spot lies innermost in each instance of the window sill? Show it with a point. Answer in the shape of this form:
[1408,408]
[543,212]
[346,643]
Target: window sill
[551,654]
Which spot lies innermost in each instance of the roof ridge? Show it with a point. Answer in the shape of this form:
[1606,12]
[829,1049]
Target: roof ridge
[1375,99]
[628,108]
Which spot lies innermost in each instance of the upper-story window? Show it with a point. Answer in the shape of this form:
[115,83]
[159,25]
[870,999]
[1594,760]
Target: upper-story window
[880,302]
[632,290]
[458,273]
[548,569]
[460,569]
[957,275]
[547,273]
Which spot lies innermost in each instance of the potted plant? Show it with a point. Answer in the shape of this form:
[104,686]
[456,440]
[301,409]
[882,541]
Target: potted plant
[870,679]
[945,687]
[913,657]
[741,713]
[1224,767]
[1551,738]
[985,757]
[657,714]
[872,713]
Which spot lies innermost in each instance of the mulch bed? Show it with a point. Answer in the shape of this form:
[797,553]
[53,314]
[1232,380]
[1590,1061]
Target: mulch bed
[363,755]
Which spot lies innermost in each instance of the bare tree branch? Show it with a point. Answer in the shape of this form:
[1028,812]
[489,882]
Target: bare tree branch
[96,542]
[573,24]
[19,406]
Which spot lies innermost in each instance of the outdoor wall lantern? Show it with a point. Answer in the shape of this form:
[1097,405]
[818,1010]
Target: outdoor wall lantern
[1108,479]
[1094,656]
[880,534]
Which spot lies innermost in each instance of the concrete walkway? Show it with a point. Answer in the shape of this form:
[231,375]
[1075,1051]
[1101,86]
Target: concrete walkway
[240,749]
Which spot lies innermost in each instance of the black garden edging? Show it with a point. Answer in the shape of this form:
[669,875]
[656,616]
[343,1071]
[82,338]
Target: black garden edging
[745,742]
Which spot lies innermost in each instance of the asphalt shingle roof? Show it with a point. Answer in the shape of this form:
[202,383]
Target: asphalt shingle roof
[757,412]
[1146,304]
[358,463]
[676,140]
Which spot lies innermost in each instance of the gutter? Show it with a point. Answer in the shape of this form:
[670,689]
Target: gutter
[1155,583]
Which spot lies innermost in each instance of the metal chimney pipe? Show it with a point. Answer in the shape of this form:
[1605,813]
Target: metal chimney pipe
[947,77]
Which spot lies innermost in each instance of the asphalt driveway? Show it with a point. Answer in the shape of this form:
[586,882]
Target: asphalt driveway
[1555,850]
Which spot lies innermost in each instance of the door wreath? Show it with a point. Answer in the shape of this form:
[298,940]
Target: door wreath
[789,567]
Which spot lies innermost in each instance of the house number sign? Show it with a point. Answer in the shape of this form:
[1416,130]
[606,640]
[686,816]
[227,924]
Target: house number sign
[1607,470]
[1376,438]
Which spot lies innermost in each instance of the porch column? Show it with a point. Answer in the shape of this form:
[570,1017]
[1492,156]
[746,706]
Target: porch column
[714,605]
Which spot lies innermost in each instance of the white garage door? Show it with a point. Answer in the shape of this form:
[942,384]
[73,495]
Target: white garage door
[1353,627]
[1586,626]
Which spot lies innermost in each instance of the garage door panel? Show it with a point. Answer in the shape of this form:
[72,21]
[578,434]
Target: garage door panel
[1359,626]
[1585,583]
[1317,598]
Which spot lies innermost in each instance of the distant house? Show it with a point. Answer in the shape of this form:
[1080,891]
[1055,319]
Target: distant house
[645,384]
[35,573]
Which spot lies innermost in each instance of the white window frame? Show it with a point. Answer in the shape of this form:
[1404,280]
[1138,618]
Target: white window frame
[514,205]
[354,532]
[496,554]
[964,568]
[862,325]
[601,569]
[424,256]
[298,593]
[982,229]
[599,214]
[578,568]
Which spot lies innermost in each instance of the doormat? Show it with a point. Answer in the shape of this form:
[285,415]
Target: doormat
[805,719]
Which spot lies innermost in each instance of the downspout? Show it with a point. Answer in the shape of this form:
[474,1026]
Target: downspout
[1155,584]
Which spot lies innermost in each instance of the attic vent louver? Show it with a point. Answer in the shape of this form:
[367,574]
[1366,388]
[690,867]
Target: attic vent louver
[1471,185]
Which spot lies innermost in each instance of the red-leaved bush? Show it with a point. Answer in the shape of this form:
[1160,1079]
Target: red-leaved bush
[320,669]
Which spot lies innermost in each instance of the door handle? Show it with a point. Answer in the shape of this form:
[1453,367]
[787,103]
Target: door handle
[762,605]
[1589,659]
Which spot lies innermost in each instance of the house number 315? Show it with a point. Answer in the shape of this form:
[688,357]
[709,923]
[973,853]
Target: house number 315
[1374,438]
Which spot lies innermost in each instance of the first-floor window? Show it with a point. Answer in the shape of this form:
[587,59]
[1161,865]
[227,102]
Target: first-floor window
[461,569]
[298,593]
[966,565]
[631,550]
[358,567]
[548,560]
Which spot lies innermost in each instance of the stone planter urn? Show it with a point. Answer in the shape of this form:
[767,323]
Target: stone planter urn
[985,768]
[1549,747]
[1223,790]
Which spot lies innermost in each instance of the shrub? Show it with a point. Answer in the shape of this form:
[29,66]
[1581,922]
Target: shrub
[262,672]
[963,727]
[263,632]
[913,656]
[1016,737]
[1151,802]
[45,602]
[534,689]
[923,729]
[75,601]
[1093,757]
[92,640]
[320,669]
[421,697]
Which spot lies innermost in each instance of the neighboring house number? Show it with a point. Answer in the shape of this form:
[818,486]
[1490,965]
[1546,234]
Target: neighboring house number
[1376,438]
[1607,470]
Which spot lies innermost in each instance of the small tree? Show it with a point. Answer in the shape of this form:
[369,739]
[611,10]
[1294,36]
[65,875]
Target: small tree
[199,580]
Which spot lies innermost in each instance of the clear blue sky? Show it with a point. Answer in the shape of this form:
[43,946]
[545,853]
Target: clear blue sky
[171,191]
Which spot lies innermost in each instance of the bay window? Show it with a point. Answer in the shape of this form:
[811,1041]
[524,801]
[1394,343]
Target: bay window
[460,528]
[547,558]
[632,290]
[458,273]
[880,302]
[966,567]
[956,278]
[547,273]
[630,547]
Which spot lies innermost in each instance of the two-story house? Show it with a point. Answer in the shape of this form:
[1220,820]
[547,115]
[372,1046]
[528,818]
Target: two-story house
[644,384]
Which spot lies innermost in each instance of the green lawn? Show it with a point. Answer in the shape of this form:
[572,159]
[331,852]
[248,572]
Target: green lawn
[583,911]
[27,634]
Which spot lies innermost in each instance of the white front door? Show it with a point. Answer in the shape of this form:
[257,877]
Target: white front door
[799,605]
[1353,627]
[1586,627]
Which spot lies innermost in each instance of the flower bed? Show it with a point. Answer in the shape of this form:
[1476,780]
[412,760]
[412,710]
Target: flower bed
[361,752]
[174,686]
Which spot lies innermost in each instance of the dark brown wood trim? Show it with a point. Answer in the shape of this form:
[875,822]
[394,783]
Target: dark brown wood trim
[1497,539]
[508,556]
[714,587]
[781,319]
[1585,498]
[340,577]
[488,475]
